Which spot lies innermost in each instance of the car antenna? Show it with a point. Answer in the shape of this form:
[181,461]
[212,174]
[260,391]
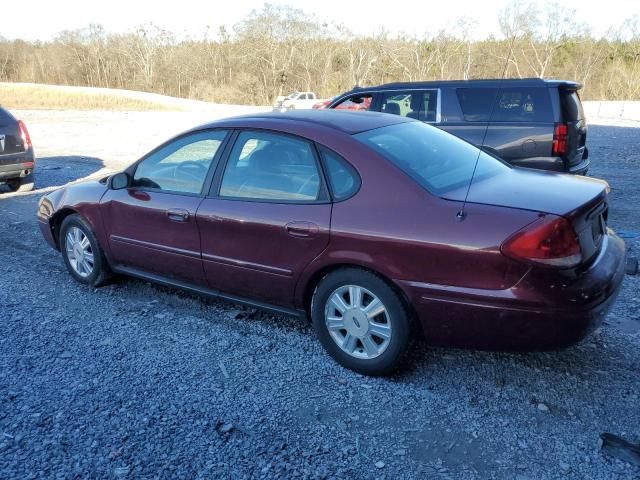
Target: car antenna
[462,214]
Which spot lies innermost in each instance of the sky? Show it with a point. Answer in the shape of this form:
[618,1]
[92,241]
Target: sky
[42,19]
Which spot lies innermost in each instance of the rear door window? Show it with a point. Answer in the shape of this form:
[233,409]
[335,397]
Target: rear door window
[505,104]
[272,167]
[405,104]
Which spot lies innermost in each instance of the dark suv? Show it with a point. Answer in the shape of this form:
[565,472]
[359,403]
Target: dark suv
[17,159]
[532,123]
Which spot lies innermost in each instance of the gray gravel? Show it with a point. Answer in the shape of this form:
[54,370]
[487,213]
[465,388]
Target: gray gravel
[139,381]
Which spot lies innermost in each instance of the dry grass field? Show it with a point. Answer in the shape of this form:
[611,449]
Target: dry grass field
[46,97]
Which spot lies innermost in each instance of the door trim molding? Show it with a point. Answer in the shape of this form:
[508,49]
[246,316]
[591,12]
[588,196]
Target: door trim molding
[155,246]
[283,272]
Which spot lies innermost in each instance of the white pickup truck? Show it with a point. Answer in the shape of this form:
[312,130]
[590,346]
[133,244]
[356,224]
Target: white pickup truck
[295,101]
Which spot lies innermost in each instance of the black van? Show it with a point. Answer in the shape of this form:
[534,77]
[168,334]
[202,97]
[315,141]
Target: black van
[531,122]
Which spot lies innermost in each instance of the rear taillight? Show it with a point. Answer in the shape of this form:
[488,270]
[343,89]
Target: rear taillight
[550,241]
[24,134]
[560,139]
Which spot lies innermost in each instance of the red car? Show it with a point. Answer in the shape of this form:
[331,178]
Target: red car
[359,221]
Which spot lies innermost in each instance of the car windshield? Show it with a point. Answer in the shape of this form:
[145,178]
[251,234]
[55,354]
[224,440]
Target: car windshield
[437,160]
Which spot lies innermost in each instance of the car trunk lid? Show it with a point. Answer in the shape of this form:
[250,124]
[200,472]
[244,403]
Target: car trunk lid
[582,200]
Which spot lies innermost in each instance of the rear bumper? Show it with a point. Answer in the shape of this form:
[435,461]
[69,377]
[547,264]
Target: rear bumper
[554,164]
[581,168]
[16,165]
[542,311]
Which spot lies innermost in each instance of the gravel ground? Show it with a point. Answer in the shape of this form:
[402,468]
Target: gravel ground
[138,381]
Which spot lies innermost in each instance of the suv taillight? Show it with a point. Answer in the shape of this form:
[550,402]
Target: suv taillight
[549,241]
[560,139]
[24,134]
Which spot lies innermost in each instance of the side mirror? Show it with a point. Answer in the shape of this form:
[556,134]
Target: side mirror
[119,181]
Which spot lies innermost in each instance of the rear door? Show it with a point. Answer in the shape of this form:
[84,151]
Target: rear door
[573,116]
[267,217]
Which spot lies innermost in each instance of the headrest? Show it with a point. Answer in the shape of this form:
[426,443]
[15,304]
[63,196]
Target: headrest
[392,108]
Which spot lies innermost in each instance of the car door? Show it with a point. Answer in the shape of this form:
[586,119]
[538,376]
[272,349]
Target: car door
[268,216]
[151,224]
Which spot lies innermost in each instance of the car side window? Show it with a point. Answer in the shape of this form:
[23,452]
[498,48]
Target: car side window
[182,165]
[343,179]
[505,105]
[270,166]
[405,104]
[357,102]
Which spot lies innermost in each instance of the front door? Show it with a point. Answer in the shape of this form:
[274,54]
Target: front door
[152,224]
[268,218]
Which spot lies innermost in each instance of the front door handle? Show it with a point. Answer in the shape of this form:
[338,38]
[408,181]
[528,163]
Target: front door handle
[178,214]
[301,229]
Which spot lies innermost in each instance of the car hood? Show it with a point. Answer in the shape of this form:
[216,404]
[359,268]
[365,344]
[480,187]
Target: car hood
[540,191]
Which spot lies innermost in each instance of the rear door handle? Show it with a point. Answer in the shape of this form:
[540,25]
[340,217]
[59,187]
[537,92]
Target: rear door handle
[178,214]
[301,229]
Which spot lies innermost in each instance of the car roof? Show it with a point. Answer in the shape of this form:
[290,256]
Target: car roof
[349,122]
[486,83]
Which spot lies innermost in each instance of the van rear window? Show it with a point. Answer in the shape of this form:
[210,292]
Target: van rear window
[571,105]
[505,104]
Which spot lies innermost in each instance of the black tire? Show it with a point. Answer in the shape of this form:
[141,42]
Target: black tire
[101,272]
[23,184]
[399,317]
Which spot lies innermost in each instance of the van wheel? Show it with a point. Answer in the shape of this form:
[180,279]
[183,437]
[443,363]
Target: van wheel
[361,321]
[20,184]
[81,252]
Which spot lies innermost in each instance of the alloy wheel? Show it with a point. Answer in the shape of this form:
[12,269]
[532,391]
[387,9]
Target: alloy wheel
[358,321]
[79,252]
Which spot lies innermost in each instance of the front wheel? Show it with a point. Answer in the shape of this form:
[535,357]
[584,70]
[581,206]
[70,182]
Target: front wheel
[361,321]
[81,252]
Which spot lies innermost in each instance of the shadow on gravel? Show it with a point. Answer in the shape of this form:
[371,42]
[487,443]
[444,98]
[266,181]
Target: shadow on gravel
[58,171]
[615,157]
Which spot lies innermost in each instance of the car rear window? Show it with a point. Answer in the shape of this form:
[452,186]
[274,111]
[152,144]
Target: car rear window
[571,105]
[438,161]
[505,104]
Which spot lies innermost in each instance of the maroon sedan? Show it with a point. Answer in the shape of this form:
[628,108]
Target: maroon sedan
[358,221]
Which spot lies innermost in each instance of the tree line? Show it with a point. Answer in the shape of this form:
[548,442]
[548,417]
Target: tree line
[278,49]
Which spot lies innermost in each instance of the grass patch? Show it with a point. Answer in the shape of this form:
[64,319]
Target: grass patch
[35,97]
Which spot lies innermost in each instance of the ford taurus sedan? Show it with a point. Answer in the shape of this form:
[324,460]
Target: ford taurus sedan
[379,228]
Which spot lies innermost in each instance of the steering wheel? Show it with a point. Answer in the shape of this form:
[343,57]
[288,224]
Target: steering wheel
[198,176]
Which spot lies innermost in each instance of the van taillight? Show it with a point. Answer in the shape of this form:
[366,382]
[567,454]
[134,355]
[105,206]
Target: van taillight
[560,139]
[550,241]
[24,134]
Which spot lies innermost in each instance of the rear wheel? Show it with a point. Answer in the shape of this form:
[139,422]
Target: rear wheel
[81,252]
[361,321]
[24,184]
